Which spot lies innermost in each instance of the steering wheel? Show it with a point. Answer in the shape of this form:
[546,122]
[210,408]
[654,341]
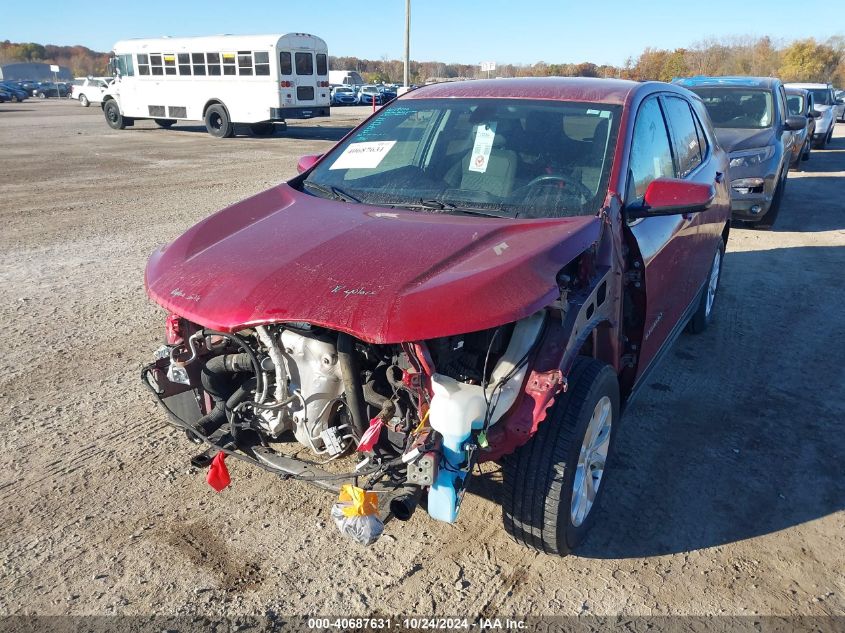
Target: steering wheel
[547,179]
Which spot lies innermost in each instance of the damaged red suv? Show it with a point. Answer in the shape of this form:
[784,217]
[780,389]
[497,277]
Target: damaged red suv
[480,271]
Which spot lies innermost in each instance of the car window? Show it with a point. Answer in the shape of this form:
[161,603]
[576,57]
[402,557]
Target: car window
[821,96]
[782,101]
[737,107]
[794,104]
[651,156]
[684,135]
[513,157]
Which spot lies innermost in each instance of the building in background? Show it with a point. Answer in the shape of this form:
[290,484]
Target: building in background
[33,71]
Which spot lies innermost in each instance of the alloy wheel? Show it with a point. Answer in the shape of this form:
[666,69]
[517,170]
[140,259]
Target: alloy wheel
[591,461]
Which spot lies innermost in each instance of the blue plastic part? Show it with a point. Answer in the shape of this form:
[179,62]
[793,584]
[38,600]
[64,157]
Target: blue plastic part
[443,497]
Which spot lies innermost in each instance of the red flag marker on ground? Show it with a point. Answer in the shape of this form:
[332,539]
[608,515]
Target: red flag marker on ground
[218,474]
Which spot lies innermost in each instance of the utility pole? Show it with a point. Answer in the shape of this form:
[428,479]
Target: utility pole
[407,43]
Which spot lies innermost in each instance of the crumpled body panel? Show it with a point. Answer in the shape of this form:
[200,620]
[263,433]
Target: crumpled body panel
[382,275]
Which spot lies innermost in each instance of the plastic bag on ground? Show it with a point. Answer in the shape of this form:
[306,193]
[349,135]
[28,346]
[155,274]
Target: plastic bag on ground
[356,515]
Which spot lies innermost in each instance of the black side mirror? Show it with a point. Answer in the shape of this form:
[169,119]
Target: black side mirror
[815,114]
[840,102]
[794,123]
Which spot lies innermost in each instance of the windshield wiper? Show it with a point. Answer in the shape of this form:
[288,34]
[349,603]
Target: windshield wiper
[438,205]
[335,192]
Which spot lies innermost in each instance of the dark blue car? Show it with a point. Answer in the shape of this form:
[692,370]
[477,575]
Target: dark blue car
[16,93]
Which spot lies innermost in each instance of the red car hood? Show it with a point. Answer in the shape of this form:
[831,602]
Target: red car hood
[382,275]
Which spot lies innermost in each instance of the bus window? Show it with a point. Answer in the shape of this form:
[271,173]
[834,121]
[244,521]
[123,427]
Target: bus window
[285,67]
[213,63]
[169,63]
[198,61]
[228,63]
[322,64]
[244,63]
[143,64]
[304,64]
[184,61]
[262,62]
[155,65]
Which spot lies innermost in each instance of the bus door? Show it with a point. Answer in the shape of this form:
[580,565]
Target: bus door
[305,78]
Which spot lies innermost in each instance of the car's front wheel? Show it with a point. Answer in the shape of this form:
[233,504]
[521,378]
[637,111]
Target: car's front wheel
[553,483]
[113,116]
[83,101]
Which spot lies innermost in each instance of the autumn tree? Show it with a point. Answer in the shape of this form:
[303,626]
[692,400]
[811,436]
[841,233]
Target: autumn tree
[807,60]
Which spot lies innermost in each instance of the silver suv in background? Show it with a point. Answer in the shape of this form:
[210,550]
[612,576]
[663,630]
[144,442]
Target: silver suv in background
[753,125]
[828,106]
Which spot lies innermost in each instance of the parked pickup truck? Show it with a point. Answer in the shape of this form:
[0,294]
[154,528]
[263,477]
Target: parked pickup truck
[90,90]
[481,271]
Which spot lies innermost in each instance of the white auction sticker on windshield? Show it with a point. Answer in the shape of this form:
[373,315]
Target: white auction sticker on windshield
[481,150]
[363,155]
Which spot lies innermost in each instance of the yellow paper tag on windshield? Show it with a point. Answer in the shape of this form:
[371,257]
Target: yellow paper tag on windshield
[360,502]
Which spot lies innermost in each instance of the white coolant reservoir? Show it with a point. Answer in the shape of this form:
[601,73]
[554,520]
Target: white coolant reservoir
[455,407]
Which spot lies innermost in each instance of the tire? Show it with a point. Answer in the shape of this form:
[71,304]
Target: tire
[539,478]
[83,101]
[808,148]
[265,128]
[704,314]
[165,123]
[113,116]
[217,122]
[42,95]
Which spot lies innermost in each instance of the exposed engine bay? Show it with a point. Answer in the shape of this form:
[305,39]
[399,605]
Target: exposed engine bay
[417,414]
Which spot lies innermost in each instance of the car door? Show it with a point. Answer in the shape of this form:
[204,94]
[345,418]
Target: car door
[673,249]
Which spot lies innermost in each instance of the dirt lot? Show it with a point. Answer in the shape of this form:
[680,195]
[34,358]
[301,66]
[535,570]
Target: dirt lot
[727,495]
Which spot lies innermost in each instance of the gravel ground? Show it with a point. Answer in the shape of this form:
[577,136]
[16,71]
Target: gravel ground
[726,497]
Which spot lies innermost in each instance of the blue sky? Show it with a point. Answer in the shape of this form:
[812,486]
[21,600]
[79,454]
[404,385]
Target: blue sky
[465,31]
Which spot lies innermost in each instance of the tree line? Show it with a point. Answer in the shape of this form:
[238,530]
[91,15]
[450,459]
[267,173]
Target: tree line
[799,60]
[81,60]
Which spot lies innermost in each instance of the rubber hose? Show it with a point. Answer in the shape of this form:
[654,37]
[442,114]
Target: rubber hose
[352,382]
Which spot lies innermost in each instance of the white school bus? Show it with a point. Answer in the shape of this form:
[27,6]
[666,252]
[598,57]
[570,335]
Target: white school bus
[260,80]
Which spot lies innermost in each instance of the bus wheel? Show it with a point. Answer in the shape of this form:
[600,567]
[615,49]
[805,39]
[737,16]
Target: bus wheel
[113,116]
[217,122]
[165,123]
[265,128]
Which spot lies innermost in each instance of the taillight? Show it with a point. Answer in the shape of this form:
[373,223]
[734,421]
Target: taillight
[286,84]
[173,329]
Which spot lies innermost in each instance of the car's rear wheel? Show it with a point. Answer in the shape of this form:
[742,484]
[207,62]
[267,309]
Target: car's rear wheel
[553,483]
[265,128]
[704,314]
[83,101]
[165,123]
[217,122]
[113,116]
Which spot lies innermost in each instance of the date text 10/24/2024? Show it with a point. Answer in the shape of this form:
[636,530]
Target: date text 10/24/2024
[418,623]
